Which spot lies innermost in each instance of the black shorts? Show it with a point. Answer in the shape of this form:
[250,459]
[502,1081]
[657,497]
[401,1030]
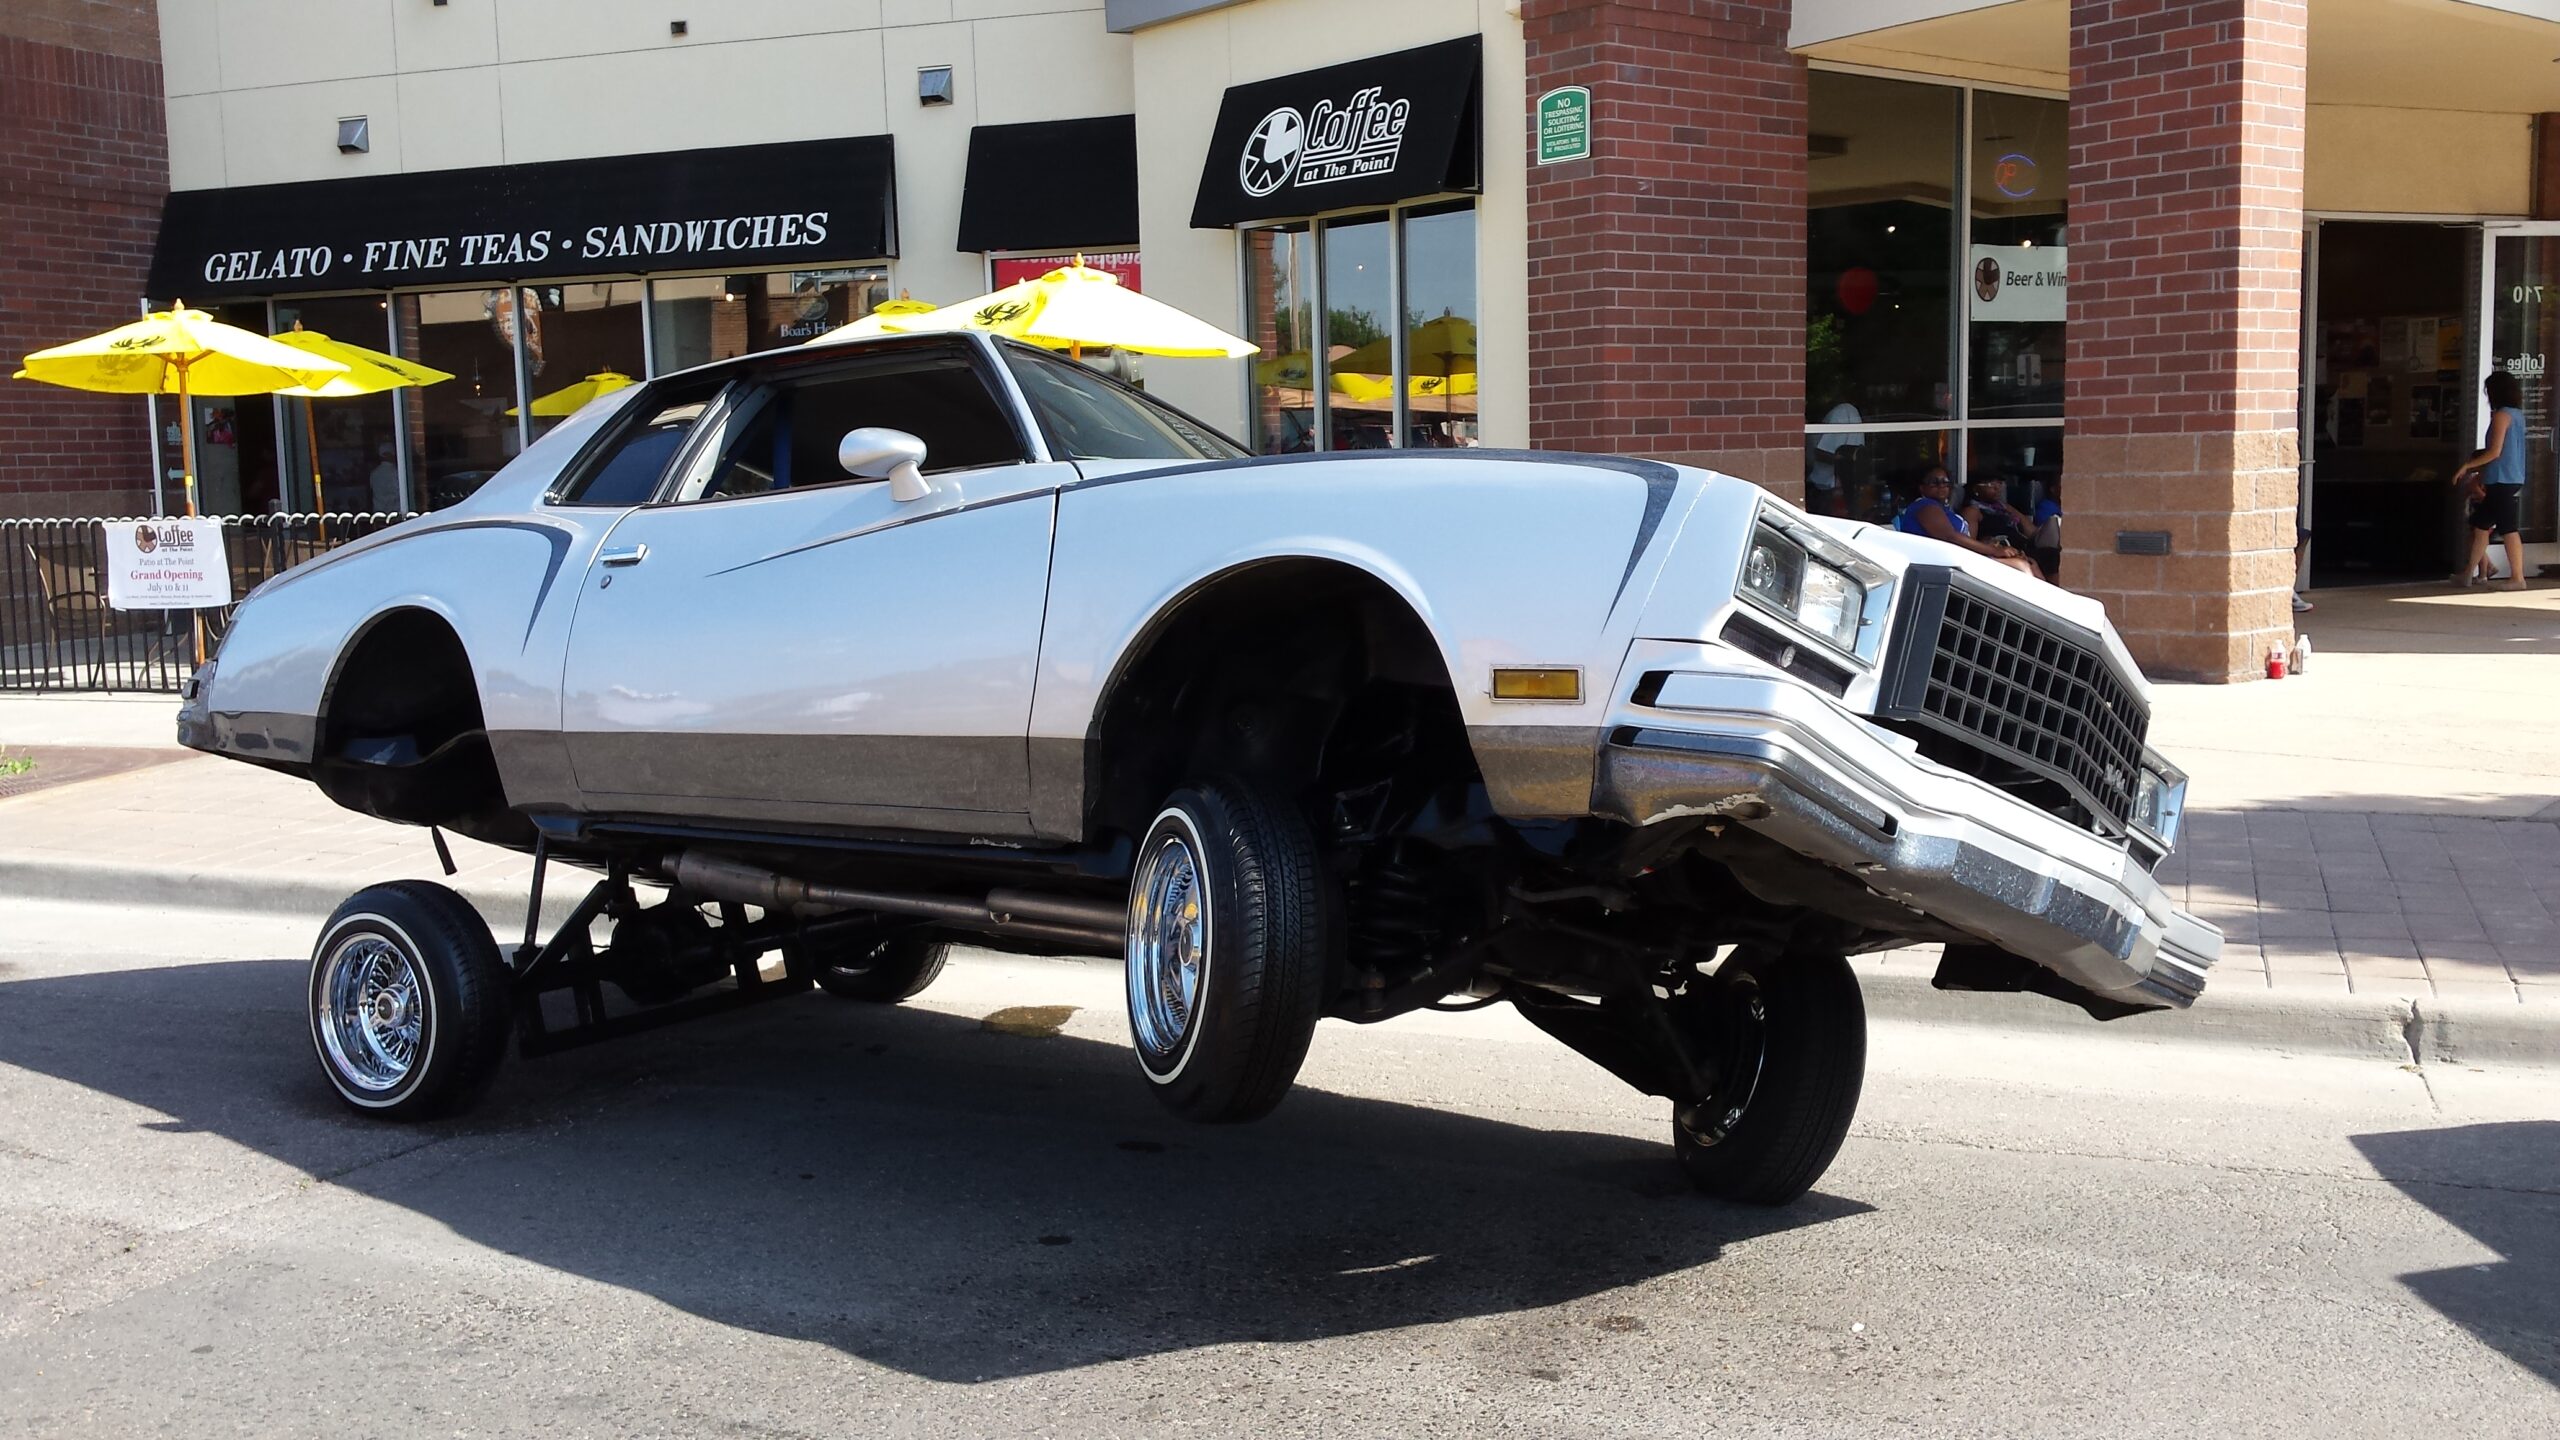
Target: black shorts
[2495,512]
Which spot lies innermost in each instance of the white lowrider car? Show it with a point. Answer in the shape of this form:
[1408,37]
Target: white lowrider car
[827,658]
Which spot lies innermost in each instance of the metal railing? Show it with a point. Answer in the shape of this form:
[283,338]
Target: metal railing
[57,631]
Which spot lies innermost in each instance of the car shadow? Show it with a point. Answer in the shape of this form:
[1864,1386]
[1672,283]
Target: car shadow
[2500,1184]
[959,1201]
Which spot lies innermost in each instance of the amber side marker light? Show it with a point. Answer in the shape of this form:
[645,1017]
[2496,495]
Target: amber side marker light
[1526,683]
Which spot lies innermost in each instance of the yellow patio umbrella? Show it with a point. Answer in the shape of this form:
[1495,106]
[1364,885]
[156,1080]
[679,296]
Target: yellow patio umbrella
[1442,348]
[179,352]
[368,372]
[875,323]
[1074,306]
[570,399]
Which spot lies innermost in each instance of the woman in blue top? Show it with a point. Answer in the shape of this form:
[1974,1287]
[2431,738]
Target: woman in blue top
[2500,464]
[1930,515]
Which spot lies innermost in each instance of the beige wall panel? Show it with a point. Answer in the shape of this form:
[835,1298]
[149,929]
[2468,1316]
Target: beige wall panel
[195,143]
[296,42]
[914,12]
[2424,162]
[451,120]
[190,48]
[933,152]
[1180,71]
[290,132]
[757,92]
[557,29]
[440,37]
[1052,67]
[998,9]
[1268,39]
[1502,236]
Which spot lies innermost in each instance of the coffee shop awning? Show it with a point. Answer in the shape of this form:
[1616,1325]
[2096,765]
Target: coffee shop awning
[1369,132]
[746,207]
[1052,185]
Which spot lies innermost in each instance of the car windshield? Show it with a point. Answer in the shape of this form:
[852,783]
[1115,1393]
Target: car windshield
[1089,417]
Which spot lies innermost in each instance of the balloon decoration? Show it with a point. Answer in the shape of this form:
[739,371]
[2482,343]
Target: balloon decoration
[1857,289]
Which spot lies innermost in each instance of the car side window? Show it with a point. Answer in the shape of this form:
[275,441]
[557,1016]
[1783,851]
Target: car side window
[1094,419]
[626,468]
[788,440]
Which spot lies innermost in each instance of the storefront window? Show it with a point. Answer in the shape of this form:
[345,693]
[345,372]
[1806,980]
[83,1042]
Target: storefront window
[1879,250]
[1359,308]
[581,340]
[355,438]
[1280,320]
[1365,314]
[459,431]
[1440,326]
[235,437]
[704,318]
[2014,268]
[2524,308]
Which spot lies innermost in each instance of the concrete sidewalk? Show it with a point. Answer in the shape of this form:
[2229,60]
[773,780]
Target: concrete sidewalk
[2379,838]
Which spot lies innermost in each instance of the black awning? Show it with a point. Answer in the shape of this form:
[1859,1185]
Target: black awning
[747,207]
[1052,185]
[1371,132]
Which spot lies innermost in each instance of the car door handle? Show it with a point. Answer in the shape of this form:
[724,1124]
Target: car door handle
[628,555]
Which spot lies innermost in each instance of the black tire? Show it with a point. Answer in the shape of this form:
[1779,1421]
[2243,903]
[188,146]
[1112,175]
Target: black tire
[1230,1051]
[882,972]
[402,952]
[1765,1138]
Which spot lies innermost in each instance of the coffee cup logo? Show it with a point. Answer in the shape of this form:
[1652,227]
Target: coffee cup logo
[145,539]
[1986,281]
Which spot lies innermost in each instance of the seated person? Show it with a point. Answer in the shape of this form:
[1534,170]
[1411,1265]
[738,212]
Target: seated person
[1988,513]
[1930,515]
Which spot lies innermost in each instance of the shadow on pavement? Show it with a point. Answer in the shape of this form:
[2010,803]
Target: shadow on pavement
[2501,1185]
[916,1190]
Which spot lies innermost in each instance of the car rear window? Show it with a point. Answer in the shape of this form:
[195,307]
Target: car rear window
[625,470]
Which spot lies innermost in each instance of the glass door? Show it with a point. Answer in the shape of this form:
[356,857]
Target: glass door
[2521,315]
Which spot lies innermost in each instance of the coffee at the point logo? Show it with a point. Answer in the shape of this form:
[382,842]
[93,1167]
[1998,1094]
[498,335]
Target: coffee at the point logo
[1328,143]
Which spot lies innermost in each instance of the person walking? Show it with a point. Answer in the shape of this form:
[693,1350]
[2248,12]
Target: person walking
[2497,504]
[1930,515]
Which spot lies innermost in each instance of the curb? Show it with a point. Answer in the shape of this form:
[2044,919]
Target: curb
[2397,1029]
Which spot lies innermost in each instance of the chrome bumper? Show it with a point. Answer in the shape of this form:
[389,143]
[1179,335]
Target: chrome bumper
[1795,767]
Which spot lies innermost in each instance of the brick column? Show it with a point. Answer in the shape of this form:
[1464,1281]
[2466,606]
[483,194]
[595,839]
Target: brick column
[2184,347]
[1666,272]
[84,164]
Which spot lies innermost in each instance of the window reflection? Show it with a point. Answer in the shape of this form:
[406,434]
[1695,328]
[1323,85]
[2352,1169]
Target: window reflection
[1440,326]
[702,318]
[235,437]
[1879,240]
[1280,320]
[2014,334]
[355,438]
[459,431]
[1359,305]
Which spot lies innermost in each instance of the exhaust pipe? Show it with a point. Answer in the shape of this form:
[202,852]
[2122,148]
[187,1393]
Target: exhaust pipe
[1093,924]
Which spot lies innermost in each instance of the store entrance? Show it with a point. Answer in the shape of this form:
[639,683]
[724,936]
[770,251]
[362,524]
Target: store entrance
[2392,398]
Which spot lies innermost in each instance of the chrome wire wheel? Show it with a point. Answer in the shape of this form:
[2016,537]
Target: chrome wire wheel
[1168,951]
[373,1012]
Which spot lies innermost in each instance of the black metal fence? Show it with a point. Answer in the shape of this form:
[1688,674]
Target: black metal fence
[57,631]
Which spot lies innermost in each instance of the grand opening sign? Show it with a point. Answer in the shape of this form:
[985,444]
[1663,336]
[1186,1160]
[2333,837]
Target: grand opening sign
[167,565]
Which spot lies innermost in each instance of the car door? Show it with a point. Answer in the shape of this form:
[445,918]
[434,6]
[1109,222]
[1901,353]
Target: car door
[776,641]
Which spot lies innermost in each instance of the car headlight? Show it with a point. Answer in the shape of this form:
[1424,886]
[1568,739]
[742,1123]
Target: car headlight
[2160,800]
[1820,596]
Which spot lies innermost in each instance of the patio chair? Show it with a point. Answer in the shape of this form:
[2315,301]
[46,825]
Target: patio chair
[69,599]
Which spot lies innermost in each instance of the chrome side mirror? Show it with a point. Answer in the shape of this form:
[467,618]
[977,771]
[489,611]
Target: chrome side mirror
[876,452]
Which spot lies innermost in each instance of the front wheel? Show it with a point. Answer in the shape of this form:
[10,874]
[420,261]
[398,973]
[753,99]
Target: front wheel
[409,1001]
[1228,952]
[1789,1032]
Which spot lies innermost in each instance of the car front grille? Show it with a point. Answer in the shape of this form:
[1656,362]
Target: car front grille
[2026,701]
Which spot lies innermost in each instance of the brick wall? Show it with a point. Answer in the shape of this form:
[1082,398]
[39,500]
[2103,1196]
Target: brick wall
[2185,322]
[83,168]
[1666,273]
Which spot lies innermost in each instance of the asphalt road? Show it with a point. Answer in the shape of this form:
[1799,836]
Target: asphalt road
[813,1219]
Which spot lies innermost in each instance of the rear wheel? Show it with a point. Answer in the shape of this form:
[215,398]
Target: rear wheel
[409,1002]
[1229,951]
[1789,1034]
[882,971]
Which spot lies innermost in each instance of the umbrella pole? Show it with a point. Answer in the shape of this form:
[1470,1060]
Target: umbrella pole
[187,460]
[311,437]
